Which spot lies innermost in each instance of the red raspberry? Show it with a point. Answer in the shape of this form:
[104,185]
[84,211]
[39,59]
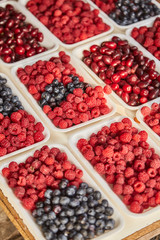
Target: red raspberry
[81,142]
[78,92]
[99,167]
[49,161]
[138,198]
[127,189]
[89,154]
[13,167]
[16,117]
[82,107]
[157,198]
[38,136]
[83,117]
[28,203]
[118,189]
[19,192]
[125,137]
[155,164]
[2,137]
[145,111]
[70,175]
[157,54]
[44,19]
[70,113]
[108,152]
[14,129]
[135,207]
[129,172]
[127,199]
[44,169]
[144,135]
[143,177]
[148,42]
[79,173]
[39,127]
[32,89]
[21,181]
[49,78]
[110,169]
[107,89]
[66,165]
[139,186]
[152,172]
[6,172]
[157,42]
[62,124]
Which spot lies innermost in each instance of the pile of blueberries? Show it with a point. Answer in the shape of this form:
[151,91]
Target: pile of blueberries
[8,102]
[73,213]
[132,11]
[56,92]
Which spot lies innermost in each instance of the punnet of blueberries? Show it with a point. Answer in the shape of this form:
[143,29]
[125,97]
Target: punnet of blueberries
[56,92]
[73,213]
[9,103]
[131,11]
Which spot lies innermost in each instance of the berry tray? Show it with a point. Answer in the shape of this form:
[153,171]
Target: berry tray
[71,46]
[28,108]
[140,119]
[120,27]
[48,41]
[27,217]
[94,174]
[78,53]
[80,71]
[146,23]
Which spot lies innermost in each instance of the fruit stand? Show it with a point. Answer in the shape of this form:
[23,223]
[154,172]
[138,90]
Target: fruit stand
[130,225]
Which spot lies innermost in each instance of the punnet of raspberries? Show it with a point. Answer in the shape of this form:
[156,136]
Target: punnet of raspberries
[121,154]
[149,37]
[18,39]
[62,93]
[151,116]
[18,128]
[130,74]
[71,21]
[63,205]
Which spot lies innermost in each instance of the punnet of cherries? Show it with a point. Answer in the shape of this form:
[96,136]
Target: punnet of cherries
[18,39]
[130,74]
[126,12]
[18,128]
[62,93]
[71,21]
[149,37]
[62,204]
[121,154]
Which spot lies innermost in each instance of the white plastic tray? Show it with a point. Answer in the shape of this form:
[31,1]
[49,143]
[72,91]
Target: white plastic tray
[28,108]
[49,41]
[120,26]
[146,23]
[81,72]
[92,172]
[78,53]
[71,46]
[26,215]
[140,118]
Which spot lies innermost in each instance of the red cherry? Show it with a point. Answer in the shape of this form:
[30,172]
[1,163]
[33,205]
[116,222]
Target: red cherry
[20,50]
[127,88]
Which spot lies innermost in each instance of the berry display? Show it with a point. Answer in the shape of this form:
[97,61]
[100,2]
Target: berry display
[131,75]
[70,21]
[149,37]
[151,116]
[126,12]
[73,213]
[18,39]
[121,154]
[62,93]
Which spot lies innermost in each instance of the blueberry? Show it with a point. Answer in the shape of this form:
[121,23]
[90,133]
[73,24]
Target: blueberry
[57,209]
[39,204]
[90,234]
[70,191]
[57,222]
[1,108]
[53,228]
[100,215]
[56,192]
[62,227]
[51,215]
[40,212]
[49,223]
[62,237]
[109,211]
[70,212]
[55,200]
[44,217]
[48,193]
[46,96]
[78,236]
[84,233]
[1,101]
[110,223]
[84,185]
[99,232]
[74,202]
[56,90]
[85,199]
[89,190]
[34,213]
[47,201]
[55,83]
[49,235]
[82,218]
[91,212]
[79,210]
[104,202]
[64,200]
[81,191]
[59,96]
[73,219]
[100,223]
[63,184]
[69,226]
[42,102]
[91,219]
[49,88]
[64,220]
[47,208]
[85,226]
[75,78]
[97,195]
[39,221]
[100,208]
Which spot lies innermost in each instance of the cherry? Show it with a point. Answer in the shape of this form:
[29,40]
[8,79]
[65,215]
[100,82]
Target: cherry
[20,50]
[127,88]
[115,78]
[30,52]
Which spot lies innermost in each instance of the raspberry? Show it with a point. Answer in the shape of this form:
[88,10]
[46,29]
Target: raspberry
[70,175]
[99,167]
[28,203]
[157,198]
[21,181]
[44,20]
[32,89]
[110,169]
[62,124]
[81,142]
[39,127]
[135,207]
[66,165]
[107,89]
[143,135]
[127,199]
[152,49]
[19,192]
[127,189]
[78,92]
[70,113]
[6,172]
[143,177]
[2,137]
[44,169]
[16,117]
[125,137]
[14,128]
[49,161]
[145,111]
[49,78]
[157,54]
[148,42]
[82,107]
[129,172]
[13,167]
[83,117]
[108,152]
[38,136]
[152,172]
[89,154]
[139,186]
[155,164]
[157,42]
[118,189]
